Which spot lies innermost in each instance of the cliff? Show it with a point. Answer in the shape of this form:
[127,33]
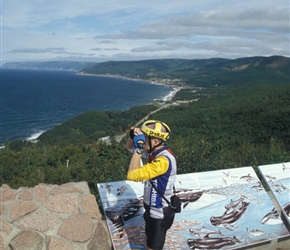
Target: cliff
[51,217]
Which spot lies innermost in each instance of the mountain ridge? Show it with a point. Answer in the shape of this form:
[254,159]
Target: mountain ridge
[192,72]
[49,65]
[201,72]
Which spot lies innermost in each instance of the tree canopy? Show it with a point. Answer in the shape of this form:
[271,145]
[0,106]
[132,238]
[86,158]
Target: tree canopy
[212,128]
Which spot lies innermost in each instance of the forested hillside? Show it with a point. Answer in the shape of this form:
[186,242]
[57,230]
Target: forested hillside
[229,126]
[50,65]
[202,72]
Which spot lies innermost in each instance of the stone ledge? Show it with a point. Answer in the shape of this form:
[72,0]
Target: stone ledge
[51,217]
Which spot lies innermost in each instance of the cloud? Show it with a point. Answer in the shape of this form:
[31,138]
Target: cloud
[34,50]
[101,30]
[107,42]
[169,45]
[103,49]
[225,23]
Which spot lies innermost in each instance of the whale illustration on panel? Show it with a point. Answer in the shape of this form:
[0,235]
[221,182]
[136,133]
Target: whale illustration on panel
[221,209]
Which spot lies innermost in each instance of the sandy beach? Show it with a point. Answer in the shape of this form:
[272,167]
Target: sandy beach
[169,97]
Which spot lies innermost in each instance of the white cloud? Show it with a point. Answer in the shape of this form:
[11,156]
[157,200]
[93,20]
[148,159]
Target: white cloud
[45,50]
[134,30]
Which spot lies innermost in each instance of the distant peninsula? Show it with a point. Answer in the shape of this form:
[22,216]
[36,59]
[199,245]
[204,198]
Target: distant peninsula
[198,72]
[179,72]
[49,65]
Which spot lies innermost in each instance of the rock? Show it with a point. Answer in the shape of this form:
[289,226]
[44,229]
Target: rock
[20,208]
[78,227]
[2,209]
[90,206]
[68,187]
[39,222]
[27,240]
[53,243]
[99,239]
[6,193]
[1,242]
[56,190]
[6,227]
[25,195]
[63,203]
[51,217]
[72,188]
[83,186]
[40,192]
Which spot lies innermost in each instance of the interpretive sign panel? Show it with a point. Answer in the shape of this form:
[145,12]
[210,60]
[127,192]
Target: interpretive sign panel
[222,209]
[277,177]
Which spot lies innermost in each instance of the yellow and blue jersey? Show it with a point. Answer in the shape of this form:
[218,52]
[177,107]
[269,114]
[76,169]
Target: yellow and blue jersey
[161,169]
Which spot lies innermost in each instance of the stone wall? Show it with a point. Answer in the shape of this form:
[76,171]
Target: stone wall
[65,217]
[51,217]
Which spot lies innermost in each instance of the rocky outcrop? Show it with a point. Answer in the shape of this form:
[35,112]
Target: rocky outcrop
[51,217]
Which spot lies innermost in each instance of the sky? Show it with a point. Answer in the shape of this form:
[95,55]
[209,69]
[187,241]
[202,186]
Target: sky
[126,30]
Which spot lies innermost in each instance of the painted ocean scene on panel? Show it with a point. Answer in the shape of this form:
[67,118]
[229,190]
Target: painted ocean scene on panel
[34,101]
[221,209]
[277,177]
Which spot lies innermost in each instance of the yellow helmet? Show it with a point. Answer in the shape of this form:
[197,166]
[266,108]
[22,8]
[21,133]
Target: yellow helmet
[156,128]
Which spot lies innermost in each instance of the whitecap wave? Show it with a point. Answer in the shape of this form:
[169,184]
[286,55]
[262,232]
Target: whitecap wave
[171,94]
[34,136]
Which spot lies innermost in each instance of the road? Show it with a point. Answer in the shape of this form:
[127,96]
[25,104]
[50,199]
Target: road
[119,138]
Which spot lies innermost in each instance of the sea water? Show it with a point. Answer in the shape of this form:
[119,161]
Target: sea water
[34,101]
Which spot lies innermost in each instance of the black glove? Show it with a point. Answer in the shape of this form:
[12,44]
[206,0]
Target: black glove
[132,133]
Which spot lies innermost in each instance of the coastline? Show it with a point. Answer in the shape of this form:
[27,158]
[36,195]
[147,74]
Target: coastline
[161,100]
[169,97]
[172,94]
[119,77]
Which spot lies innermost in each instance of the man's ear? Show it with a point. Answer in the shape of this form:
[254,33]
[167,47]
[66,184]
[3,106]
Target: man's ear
[156,141]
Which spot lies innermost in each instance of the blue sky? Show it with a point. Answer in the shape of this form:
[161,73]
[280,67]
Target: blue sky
[99,30]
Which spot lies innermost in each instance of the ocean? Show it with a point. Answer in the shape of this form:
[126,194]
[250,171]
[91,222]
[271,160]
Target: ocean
[34,101]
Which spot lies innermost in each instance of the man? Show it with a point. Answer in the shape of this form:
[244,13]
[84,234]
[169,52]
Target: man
[160,171]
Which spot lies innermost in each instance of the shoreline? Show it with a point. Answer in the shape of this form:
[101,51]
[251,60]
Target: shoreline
[119,77]
[175,89]
[168,97]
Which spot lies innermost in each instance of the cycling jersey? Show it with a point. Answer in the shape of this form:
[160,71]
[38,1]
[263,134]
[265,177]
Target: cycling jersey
[161,169]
